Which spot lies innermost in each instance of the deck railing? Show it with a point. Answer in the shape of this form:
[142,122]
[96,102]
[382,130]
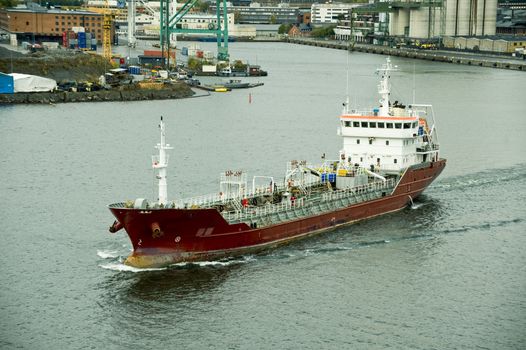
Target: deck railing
[254,213]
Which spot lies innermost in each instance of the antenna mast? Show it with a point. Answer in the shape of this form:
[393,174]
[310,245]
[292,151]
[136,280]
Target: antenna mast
[160,163]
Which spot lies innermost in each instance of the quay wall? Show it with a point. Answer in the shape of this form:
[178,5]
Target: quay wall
[96,96]
[440,56]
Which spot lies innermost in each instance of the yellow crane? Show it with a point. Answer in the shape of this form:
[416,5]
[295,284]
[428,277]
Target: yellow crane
[106,31]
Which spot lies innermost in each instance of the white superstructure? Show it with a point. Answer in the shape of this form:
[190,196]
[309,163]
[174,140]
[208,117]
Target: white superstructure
[389,138]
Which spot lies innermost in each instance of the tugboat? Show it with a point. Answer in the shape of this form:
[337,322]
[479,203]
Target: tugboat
[390,155]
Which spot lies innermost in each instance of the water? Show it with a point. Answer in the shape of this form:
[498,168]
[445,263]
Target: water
[449,272]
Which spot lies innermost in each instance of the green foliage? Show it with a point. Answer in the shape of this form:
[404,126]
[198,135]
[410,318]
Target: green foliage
[239,66]
[284,28]
[202,6]
[272,19]
[323,32]
[8,3]
[194,64]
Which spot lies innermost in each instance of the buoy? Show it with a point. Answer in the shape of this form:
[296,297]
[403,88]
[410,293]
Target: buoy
[221,89]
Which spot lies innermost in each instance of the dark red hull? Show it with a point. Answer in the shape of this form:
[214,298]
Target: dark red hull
[166,236]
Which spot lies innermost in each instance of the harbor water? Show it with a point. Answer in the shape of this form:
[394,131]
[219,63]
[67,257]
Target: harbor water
[449,272]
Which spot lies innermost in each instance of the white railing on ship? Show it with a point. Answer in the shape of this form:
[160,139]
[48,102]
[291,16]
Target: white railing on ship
[217,198]
[250,213]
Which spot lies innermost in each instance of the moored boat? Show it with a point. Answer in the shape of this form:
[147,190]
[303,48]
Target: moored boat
[390,155]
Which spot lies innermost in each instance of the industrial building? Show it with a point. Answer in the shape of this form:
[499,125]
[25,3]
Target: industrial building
[36,24]
[329,12]
[435,18]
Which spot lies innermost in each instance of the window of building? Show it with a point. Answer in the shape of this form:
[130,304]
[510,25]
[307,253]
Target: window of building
[364,124]
[381,125]
[407,125]
[356,124]
[62,17]
[56,23]
[372,124]
[389,125]
[358,141]
[63,23]
[27,23]
[398,125]
[347,124]
[387,142]
[395,161]
[56,17]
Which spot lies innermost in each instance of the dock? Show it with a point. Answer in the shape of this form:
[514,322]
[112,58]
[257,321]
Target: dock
[470,59]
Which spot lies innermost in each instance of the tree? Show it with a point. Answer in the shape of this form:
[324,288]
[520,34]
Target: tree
[323,32]
[284,28]
[272,19]
[8,3]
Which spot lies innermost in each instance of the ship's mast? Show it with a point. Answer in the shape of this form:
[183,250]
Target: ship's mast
[161,163]
[383,88]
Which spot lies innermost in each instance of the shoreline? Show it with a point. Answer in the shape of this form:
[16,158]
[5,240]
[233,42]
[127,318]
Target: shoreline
[466,58]
[177,92]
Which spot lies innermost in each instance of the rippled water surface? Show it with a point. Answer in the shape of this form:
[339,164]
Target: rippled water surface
[447,273]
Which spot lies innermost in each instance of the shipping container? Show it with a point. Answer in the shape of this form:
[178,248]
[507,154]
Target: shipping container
[134,70]
[7,84]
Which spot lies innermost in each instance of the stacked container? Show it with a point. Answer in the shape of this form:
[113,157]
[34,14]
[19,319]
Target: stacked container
[82,40]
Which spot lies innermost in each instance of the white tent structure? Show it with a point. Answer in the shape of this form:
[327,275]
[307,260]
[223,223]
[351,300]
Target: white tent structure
[32,83]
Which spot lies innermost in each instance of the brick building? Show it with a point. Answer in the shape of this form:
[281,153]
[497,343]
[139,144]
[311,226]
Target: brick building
[42,24]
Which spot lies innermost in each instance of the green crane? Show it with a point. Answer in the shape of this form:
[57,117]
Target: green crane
[172,24]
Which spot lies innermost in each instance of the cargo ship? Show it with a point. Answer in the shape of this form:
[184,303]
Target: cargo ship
[390,155]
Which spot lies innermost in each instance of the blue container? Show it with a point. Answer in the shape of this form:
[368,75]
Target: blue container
[332,177]
[7,84]
[134,70]
[82,40]
[420,130]
[323,177]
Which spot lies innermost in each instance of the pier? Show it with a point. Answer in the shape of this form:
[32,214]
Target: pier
[470,59]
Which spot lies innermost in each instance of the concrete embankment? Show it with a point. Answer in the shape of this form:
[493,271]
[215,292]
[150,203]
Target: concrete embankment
[170,92]
[438,56]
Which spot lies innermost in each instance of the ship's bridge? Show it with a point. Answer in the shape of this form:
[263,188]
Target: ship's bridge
[383,142]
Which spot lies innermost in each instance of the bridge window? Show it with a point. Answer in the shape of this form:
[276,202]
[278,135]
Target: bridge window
[358,141]
[398,125]
[381,125]
[395,161]
[387,142]
[407,125]
[356,124]
[389,125]
[347,124]
[364,124]
[372,124]
[414,125]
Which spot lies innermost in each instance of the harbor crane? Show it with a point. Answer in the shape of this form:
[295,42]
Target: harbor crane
[171,24]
